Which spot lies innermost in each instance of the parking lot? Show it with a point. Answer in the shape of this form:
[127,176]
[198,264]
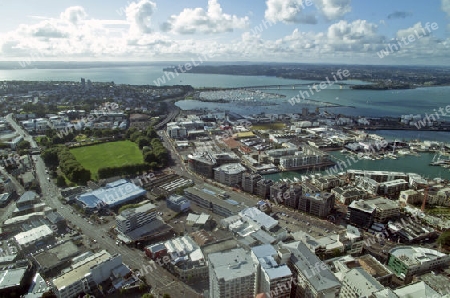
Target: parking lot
[295,221]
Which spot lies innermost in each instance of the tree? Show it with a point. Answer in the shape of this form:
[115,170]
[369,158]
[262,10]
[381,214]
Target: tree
[98,133]
[166,295]
[60,181]
[135,135]
[150,157]
[50,157]
[151,133]
[23,145]
[148,296]
[130,131]
[142,287]
[143,141]
[444,238]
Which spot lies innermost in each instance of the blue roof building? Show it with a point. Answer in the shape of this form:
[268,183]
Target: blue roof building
[112,195]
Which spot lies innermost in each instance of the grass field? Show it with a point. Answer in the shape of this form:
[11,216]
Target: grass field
[268,126]
[112,154]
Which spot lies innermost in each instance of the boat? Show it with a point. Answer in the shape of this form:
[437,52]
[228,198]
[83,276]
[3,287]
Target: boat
[392,156]
[403,152]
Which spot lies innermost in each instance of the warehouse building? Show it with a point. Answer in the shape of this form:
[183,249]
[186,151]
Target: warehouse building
[112,195]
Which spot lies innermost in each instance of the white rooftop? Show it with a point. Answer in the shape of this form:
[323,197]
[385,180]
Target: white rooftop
[362,281]
[412,256]
[33,235]
[198,219]
[80,269]
[259,217]
[420,289]
[231,168]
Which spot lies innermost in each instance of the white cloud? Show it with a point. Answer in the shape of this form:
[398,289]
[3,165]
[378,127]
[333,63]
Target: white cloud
[445,5]
[75,35]
[356,30]
[198,20]
[333,9]
[74,15]
[139,16]
[288,11]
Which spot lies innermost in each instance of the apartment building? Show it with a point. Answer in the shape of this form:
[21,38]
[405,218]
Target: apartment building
[232,274]
[134,218]
[319,204]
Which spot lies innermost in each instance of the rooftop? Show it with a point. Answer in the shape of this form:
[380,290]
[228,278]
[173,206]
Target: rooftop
[273,270]
[264,250]
[152,228]
[176,199]
[386,293]
[383,204]
[363,206]
[265,254]
[373,266]
[181,246]
[27,197]
[233,264]
[305,261]
[55,255]
[419,289]
[231,168]
[33,235]
[11,277]
[141,209]
[80,269]
[156,247]
[229,200]
[259,217]
[198,219]
[114,193]
[366,284]
[412,256]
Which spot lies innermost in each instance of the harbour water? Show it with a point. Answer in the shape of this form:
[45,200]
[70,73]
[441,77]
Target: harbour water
[408,164]
[352,102]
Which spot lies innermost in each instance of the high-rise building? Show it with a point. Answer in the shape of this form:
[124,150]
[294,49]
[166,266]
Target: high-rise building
[361,214]
[319,204]
[231,274]
[249,182]
[358,283]
[263,188]
[87,274]
[272,277]
[311,277]
[229,174]
[293,199]
[278,192]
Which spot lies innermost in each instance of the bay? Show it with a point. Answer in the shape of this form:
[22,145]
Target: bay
[408,164]
[367,103]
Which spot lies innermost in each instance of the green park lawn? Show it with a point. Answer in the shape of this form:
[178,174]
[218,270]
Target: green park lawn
[113,154]
[268,126]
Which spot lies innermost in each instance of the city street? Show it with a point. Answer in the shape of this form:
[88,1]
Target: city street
[160,280]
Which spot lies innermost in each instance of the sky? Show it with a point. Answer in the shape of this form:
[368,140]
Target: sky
[387,32]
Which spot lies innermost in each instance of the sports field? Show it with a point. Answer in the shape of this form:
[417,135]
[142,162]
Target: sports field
[268,126]
[113,154]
